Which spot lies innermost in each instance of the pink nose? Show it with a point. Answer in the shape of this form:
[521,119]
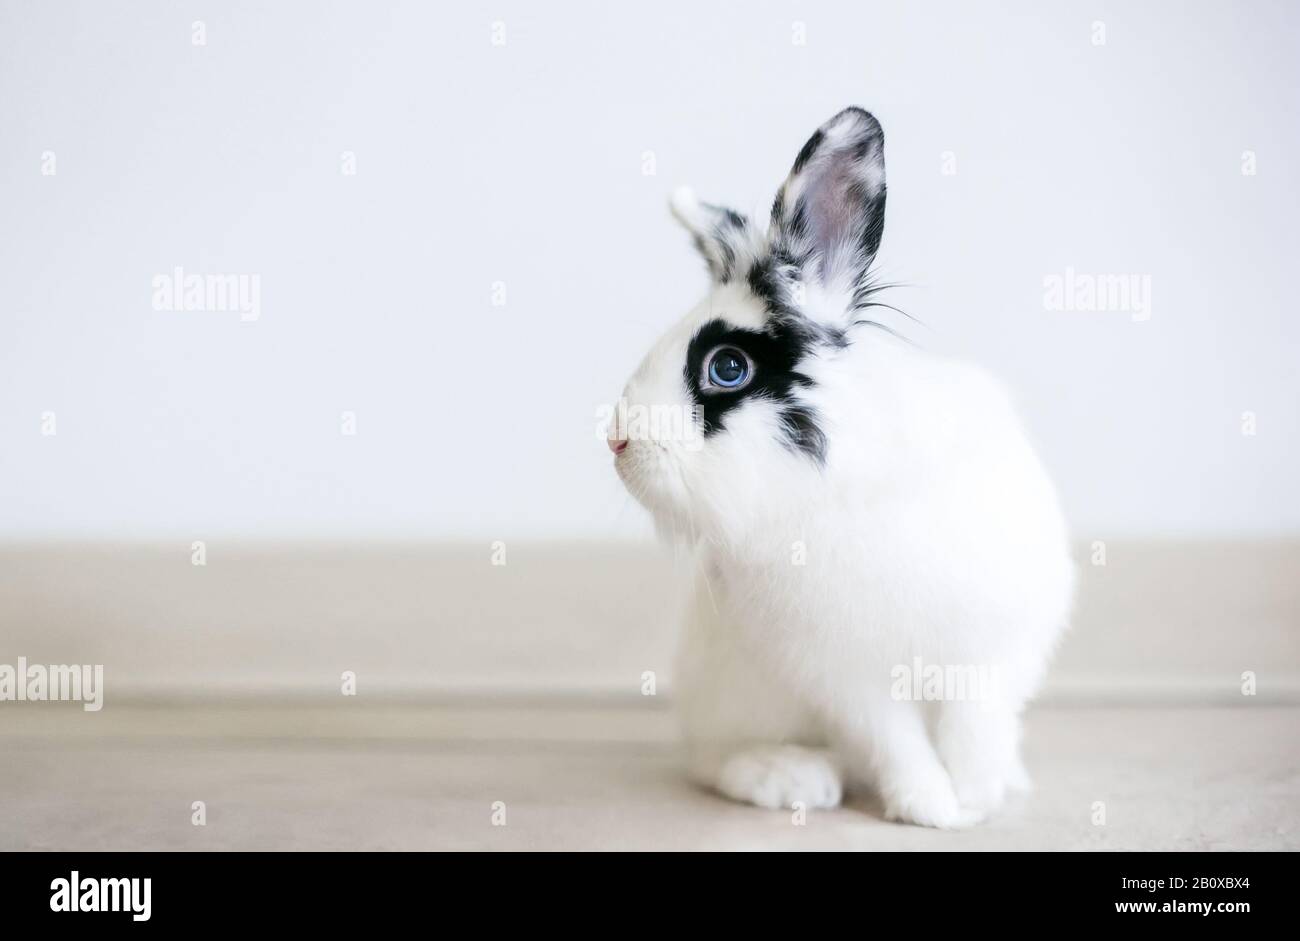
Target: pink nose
[617,445]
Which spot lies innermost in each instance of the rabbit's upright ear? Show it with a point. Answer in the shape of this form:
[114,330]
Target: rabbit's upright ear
[829,214]
[723,236]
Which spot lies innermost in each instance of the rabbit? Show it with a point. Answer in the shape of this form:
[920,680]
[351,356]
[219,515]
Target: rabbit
[859,511]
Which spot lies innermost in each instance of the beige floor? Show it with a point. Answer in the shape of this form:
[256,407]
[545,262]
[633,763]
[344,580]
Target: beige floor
[354,776]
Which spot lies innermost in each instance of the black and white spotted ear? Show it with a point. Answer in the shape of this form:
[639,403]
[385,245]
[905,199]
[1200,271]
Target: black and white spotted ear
[830,213]
[723,236]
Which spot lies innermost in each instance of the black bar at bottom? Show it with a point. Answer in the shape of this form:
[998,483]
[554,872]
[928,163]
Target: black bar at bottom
[371,889]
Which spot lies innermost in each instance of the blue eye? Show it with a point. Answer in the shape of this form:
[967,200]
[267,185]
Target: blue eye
[728,368]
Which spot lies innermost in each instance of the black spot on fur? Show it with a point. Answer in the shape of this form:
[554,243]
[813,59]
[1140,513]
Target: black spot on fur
[803,432]
[729,229]
[874,211]
[732,218]
[773,281]
[809,148]
[726,256]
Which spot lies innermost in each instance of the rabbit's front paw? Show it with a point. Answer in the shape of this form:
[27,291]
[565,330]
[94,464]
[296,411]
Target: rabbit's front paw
[978,745]
[928,801]
[984,787]
[980,791]
[781,776]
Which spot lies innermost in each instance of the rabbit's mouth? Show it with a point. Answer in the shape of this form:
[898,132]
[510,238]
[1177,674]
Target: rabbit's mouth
[649,471]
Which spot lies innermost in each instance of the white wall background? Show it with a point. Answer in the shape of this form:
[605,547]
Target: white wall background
[523,163]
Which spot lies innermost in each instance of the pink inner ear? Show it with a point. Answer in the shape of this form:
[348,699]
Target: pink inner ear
[832,213]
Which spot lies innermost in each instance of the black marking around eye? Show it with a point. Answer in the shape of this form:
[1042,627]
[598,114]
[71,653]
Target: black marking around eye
[775,354]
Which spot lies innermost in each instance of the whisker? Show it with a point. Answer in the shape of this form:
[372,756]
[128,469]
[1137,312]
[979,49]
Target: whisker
[887,329]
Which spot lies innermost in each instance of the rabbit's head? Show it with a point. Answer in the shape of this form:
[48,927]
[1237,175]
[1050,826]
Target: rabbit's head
[723,410]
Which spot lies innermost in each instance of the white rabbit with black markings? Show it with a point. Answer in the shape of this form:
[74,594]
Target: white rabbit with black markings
[860,511]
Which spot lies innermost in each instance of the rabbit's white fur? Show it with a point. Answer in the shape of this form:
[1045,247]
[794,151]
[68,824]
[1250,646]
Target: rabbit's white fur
[926,528]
